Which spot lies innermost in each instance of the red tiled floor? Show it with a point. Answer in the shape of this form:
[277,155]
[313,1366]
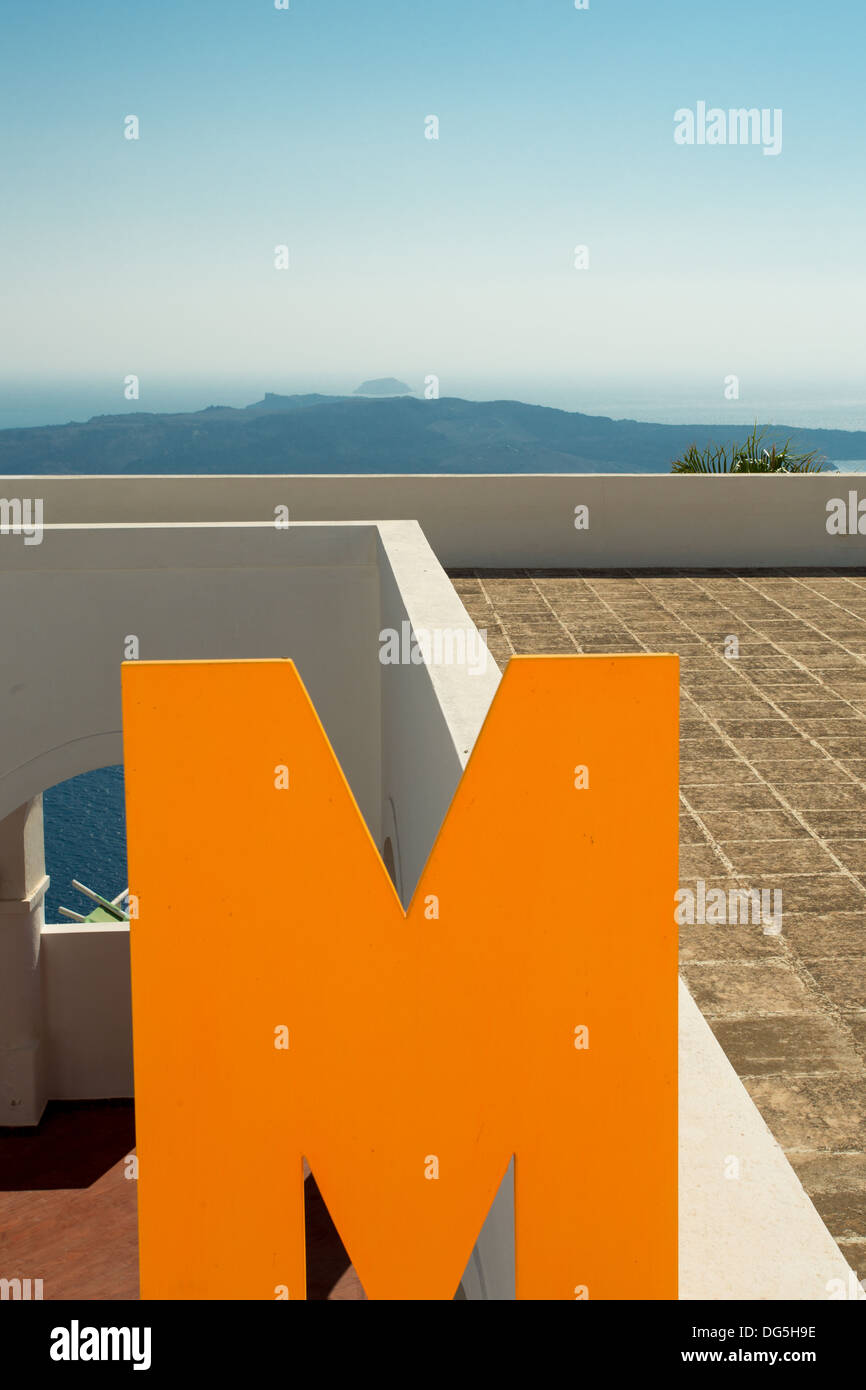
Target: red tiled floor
[68,1212]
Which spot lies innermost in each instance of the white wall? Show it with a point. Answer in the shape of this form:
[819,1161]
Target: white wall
[86,1014]
[431,715]
[193,592]
[507,520]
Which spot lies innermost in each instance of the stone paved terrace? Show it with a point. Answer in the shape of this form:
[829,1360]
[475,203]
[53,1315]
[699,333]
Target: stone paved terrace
[773,795]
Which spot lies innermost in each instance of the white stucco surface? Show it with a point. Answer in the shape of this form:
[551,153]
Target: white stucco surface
[488,520]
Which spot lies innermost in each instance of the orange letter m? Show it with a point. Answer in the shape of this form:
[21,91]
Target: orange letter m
[286,1006]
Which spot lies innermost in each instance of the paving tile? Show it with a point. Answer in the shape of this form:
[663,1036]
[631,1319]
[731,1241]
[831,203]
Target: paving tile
[789,682]
[818,657]
[835,1173]
[540,646]
[821,796]
[702,943]
[838,825]
[852,853]
[762,656]
[849,689]
[696,773]
[802,856]
[725,712]
[708,747]
[767,1046]
[754,826]
[845,748]
[815,935]
[817,893]
[790,746]
[814,1113]
[605,648]
[717,689]
[807,769]
[574,610]
[825,707]
[690,831]
[763,988]
[843,981]
[699,861]
[694,728]
[730,796]
[745,731]
[537,631]
[821,728]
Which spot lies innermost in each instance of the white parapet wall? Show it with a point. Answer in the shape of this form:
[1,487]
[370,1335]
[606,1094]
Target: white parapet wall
[76,605]
[86,1011]
[512,520]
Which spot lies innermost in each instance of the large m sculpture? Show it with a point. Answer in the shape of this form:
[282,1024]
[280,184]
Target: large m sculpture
[286,1006]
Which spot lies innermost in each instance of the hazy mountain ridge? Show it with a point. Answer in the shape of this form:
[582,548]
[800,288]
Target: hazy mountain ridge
[351,434]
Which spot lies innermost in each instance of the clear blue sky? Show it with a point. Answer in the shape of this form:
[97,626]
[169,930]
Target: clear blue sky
[411,256]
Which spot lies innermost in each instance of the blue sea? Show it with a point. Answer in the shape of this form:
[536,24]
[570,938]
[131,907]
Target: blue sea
[85,838]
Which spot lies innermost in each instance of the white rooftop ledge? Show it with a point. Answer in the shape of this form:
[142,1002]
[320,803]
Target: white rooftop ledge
[506,520]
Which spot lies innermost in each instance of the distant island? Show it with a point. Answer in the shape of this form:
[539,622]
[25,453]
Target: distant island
[383,386]
[362,434]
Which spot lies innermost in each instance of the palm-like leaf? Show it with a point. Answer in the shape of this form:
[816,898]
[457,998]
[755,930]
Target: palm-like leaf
[750,457]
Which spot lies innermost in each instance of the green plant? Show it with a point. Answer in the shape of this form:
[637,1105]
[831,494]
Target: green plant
[750,457]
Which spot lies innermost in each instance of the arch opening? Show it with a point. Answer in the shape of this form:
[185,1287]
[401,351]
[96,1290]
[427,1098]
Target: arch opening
[85,839]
